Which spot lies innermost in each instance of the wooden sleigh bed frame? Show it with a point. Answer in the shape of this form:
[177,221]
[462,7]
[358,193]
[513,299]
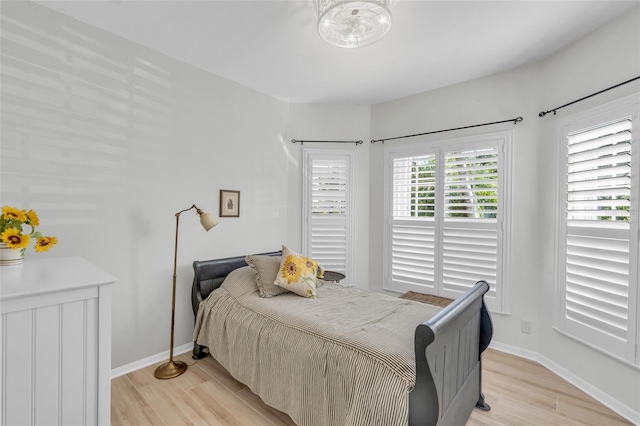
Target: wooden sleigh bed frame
[448,349]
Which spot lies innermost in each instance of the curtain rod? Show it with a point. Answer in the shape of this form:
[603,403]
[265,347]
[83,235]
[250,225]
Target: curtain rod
[515,121]
[302,142]
[543,113]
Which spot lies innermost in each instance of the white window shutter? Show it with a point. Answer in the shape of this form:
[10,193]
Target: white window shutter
[412,240]
[597,237]
[598,175]
[327,197]
[470,223]
[597,283]
[445,216]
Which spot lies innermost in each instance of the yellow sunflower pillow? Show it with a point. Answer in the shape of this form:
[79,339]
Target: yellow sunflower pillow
[297,274]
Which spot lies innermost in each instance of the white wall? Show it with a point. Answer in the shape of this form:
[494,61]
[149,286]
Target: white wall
[606,57]
[107,140]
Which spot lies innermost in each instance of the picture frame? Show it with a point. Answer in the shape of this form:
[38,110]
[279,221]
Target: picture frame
[229,203]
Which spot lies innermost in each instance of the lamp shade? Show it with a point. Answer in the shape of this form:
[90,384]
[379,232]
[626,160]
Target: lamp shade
[352,24]
[208,221]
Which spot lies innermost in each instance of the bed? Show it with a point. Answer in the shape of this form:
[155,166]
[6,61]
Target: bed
[349,357]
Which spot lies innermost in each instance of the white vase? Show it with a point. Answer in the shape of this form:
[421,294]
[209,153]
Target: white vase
[9,256]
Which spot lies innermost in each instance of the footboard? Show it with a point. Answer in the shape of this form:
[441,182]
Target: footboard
[448,366]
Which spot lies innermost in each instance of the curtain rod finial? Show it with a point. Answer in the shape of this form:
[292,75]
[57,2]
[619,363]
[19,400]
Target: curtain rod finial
[517,120]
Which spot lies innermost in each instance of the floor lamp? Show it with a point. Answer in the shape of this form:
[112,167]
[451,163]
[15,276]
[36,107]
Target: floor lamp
[172,368]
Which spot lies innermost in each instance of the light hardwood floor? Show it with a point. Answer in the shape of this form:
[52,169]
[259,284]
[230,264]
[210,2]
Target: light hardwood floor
[520,392]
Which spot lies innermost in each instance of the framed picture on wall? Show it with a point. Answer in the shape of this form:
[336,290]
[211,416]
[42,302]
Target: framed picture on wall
[229,203]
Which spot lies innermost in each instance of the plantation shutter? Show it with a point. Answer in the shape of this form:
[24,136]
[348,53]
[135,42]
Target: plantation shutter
[470,221]
[413,228]
[328,198]
[446,226]
[599,170]
[596,271]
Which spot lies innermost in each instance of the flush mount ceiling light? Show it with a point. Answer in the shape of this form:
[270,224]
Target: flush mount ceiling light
[351,24]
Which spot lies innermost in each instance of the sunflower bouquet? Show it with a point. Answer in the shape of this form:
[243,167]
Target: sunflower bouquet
[12,232]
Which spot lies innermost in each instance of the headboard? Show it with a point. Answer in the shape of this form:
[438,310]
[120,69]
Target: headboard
[209,275]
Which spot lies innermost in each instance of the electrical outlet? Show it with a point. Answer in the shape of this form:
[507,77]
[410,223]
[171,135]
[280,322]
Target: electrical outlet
[525,326]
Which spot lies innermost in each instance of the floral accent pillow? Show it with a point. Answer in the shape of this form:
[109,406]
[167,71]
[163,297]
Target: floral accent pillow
[297,274]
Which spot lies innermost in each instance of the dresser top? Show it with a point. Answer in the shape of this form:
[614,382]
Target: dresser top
[50,275]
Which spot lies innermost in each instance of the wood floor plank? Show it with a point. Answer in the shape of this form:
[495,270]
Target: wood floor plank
[522,372]
[526,393]
[144,376]
[194,375]
[128,407]
[213,367]
[230,410]
[276,417]
[588,412]
[175,406]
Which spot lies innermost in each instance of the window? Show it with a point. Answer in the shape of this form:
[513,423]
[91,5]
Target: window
[446,208]
[327,209]
[598,228]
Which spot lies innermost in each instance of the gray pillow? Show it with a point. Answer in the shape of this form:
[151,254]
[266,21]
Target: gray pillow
[266,270]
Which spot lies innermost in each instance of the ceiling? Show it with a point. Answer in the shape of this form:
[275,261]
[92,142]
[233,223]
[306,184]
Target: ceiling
[274,47]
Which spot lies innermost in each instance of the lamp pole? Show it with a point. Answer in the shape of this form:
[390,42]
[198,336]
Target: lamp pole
[172,368]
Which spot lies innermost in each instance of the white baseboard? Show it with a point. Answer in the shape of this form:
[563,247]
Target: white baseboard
[605,399]
[153,359]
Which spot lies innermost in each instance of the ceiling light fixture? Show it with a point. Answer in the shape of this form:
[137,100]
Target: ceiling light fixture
[352,24]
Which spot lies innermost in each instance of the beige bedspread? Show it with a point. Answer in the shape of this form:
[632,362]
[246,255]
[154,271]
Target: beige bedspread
[345,358]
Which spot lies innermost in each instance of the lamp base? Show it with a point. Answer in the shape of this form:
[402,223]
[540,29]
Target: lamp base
[170,369]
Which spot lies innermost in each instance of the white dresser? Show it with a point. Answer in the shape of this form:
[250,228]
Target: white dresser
[56,342]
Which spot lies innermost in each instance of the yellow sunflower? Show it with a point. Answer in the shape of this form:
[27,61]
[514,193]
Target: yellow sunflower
[14,240]
[291,269]
[13,213]
[33,218]
[45,243]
